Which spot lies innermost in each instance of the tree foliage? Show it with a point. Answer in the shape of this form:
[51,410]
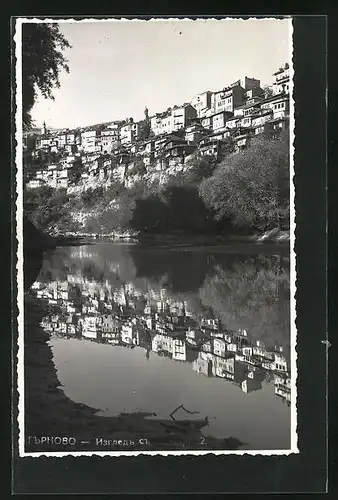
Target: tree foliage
[252,187]
[253,294]
[268,91]
[45,207]
[145,129]
[42,62]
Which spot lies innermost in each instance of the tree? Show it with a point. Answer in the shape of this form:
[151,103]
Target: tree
[138,168]
[268,91]
[42,63]
[252,187]
[145,126]
[252,293]
[200,167]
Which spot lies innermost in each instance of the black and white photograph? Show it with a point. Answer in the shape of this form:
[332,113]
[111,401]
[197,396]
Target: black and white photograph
[155,223]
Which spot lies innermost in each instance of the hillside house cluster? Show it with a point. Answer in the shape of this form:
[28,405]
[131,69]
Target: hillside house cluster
[100,153]
[124,315]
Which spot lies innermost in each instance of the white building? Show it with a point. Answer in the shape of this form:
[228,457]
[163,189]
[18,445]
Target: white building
[173,119]
[89,327]
[202,103]
[281,81]
[179,350]
[129,132]
[88,141]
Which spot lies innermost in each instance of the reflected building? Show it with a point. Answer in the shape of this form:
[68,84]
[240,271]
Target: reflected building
[283,387]
[118,312]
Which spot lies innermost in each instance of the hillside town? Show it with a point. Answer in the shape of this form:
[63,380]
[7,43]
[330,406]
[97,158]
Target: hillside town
[123,315]
[162,144]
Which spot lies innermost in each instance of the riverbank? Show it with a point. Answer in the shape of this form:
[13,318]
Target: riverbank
[274,236]
[49,412]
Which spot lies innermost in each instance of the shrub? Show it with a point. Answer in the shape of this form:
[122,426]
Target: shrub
[252,187]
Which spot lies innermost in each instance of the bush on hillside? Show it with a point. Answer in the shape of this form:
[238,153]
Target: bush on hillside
[252,187]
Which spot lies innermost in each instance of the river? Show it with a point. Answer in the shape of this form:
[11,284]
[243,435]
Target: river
[145,329]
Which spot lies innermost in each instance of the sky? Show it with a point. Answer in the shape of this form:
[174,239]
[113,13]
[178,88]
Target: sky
[117,68]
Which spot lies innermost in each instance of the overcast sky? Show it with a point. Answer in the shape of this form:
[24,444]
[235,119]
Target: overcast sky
[119,67]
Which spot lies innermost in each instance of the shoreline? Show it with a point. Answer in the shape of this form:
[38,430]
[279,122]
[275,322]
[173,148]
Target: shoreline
[49,412]
[273,237]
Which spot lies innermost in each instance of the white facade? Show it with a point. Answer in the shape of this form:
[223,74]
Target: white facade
[179,350]
[281,81]
[88,141]
[129,133]
[202,103]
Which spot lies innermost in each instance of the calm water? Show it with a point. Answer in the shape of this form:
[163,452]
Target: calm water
[135,329]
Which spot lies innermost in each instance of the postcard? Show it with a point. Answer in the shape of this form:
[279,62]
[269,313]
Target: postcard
[155,223]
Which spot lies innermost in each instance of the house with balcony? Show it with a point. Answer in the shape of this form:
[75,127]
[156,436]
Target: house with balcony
[175,151]
[281,80]
[232,123]
[228,99]
[206,121]
[260,123]
[195,132]
[218,121]
[248,109]
[209,146]
[279,104]
[245,122]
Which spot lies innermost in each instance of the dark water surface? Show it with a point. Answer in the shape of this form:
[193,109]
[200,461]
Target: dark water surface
[140,329]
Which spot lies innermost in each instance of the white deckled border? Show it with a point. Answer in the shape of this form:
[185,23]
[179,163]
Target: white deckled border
[19,231]
[19,236]
[293,271]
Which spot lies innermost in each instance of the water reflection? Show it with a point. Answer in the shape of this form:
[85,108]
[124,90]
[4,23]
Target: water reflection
[222,315]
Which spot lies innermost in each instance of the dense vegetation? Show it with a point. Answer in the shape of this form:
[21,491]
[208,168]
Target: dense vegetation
[252,187]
